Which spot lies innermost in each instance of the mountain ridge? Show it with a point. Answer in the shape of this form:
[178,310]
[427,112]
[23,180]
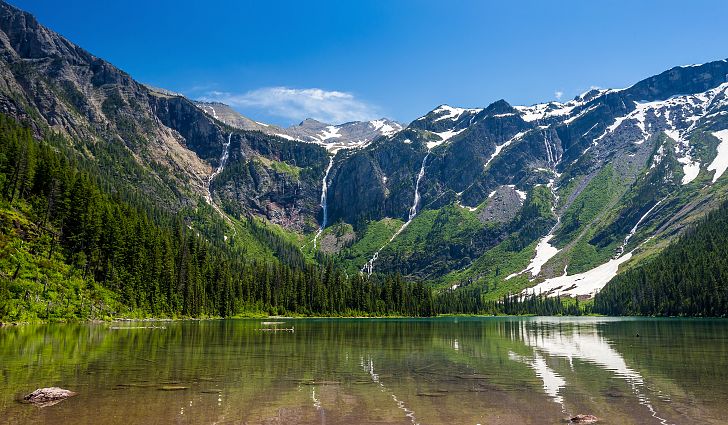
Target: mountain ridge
[331,136]
[502,198]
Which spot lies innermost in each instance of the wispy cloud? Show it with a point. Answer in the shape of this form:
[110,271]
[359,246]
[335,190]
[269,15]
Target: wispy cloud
[558,94]
[298,104]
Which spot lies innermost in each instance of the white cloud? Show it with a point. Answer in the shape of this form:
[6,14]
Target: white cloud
[558,94]
[297,104]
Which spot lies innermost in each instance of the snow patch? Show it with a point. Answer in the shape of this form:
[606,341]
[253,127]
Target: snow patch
[287,137]
[587,283]
[384,128]
[543,111]
[720,163]
[544,252]
[581,114]
[444,136]
[499,148]
[471,209]
[691,168]
[659,156]
[452,113]
[330,132]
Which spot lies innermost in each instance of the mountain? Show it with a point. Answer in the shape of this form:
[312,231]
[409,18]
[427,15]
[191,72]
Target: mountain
[689,278]
[552,198]
[333,137]
[609,172]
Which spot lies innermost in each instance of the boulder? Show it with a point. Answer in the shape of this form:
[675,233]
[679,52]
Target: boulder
[584,419]
[44,397]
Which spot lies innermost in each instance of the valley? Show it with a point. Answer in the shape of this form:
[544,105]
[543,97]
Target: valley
[553,199]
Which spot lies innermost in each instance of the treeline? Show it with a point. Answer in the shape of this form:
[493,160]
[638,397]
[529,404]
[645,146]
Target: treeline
[470,301]
[162,267]
[155,264]
[688,278]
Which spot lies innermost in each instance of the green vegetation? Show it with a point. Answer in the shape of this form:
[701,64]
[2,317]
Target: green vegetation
[490,270]
[689,278]
[587,205]
[584,218]
[471,301]
[281,167]
[512,254]
[375,235]
[105,257]
[437,241]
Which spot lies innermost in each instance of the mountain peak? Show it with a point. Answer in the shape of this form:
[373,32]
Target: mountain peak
[500,107]
[312,123]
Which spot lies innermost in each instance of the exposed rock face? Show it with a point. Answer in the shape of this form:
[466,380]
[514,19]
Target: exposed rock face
[53,84]
[502,206]
[45,397]
[598,163]
[171,144]
[339,237]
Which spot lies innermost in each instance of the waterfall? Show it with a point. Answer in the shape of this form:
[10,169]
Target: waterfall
[413,210]
[369,266]
[220,167]
[552,156]
[324,204]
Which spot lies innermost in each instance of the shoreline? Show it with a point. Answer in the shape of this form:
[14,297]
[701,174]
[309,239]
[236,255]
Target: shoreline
[442,316]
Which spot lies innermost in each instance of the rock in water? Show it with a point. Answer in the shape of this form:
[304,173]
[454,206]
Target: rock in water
[584,419]
[44,397]
[173,388]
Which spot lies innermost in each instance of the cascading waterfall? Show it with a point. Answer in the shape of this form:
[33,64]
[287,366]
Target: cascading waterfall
[413,210]
[369,266]
[219,169]
[552,155]
[324,204]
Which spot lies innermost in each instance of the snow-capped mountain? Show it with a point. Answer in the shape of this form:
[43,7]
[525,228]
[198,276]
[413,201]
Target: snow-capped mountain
[617,168]
[333,137]
[557,196]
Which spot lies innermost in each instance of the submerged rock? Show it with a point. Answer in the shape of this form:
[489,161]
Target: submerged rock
[44,397]
[584,419]
[174,388]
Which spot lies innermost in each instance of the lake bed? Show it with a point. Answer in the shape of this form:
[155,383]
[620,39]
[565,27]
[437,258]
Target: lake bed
[455,370]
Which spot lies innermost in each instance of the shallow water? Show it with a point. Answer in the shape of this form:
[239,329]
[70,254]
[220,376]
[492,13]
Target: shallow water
[359,371]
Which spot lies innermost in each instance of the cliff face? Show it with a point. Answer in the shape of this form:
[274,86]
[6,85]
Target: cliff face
[174,146]
[467,195]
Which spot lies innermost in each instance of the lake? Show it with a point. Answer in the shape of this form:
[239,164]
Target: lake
[370,371]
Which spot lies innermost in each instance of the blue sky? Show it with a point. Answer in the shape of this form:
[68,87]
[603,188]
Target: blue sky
[281,61]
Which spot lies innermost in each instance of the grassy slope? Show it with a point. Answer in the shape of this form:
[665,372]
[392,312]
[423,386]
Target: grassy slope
[589,212]
[36,286]
[376,234]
